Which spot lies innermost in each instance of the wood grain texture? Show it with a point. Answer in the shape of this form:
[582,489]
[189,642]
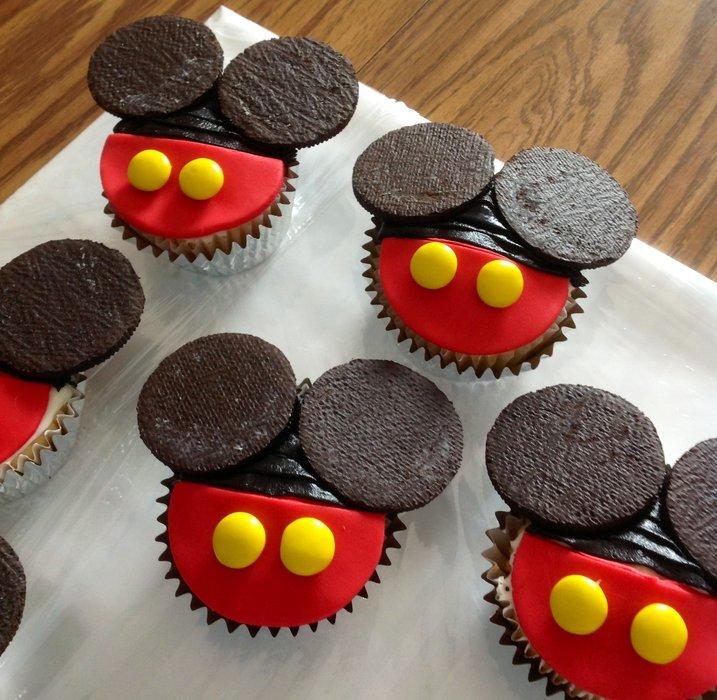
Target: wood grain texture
[631,84]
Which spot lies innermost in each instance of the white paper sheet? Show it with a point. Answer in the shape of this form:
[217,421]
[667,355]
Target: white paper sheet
[102,622]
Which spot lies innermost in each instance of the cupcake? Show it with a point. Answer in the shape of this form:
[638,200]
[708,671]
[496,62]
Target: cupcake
[484,271]
[201,165]
[284,500]
[12,594]
[67,306]
[604,572]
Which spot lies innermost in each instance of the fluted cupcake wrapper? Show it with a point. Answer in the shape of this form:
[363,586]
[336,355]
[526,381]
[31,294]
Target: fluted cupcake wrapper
[225,252]
[393,525]
[515,361]
[49,451]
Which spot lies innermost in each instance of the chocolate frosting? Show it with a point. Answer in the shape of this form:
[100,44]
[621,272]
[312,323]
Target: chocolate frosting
[646,542]
[280,470]
[202,122]
[479,224]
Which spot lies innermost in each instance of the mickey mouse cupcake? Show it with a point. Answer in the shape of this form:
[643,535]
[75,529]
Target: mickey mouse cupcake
[67,305]
[201,163]
[484,271]
[284,501]
[12,594]
[604,571]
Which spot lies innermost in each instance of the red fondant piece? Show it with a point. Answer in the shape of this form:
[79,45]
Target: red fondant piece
[251,184]
[22,406]
[604,663]
[266,593]
[454,317]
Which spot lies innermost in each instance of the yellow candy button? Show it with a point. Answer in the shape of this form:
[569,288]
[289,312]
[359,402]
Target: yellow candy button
[578,604]
[307,546]
[658,633]
[149,170]
[201,178]
[433,265]
[500,283]
[238,540]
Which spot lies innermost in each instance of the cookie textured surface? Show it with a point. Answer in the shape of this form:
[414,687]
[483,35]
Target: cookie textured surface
[566,207]
[216,401]
[691,500]
[67,305]
[575,458]
[12,594]
[290,92]
[383,436]
[422,171]
[154,66]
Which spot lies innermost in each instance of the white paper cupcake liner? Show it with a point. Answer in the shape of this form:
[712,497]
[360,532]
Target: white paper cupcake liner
[49,455]
[227,257]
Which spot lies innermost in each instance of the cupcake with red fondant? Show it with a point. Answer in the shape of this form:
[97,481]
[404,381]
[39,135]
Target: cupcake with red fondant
[482,271]
[67,306]
[283,500]
[201,165]
[604,572]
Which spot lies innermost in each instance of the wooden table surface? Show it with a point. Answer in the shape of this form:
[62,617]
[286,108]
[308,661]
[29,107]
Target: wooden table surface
[630,83]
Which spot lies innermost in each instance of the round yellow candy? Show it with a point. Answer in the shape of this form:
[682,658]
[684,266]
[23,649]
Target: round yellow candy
[500,283]
[307,546]
[238,540]
[201,178]
[578,604]
[149,170]
[658,633]
[433,265]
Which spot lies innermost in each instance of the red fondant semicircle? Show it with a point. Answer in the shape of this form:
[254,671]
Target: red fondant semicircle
[266,594]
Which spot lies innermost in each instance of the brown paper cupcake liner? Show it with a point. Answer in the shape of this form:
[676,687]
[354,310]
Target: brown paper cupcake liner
[393,525]
[505,539]
[46,455]
[224,252]
[514,360]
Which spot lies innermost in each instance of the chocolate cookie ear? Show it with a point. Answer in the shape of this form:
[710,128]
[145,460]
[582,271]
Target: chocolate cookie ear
[12,594]
[291,92]
[384,437]
[691,500]
[575,458]
[66,306]
[216,402]
[566,207]
[422,171]
[155,66]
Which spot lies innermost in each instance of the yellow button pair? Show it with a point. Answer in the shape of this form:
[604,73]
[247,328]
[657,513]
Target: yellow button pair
[499,283]
[579,606]
[200,178]
[307,544]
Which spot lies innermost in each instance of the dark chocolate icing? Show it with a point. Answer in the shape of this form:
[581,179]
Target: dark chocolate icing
[203,122]
[645,542]
[480,224]
[282,469]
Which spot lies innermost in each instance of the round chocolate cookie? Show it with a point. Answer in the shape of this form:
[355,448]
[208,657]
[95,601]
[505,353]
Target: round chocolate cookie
[566,207]
[215,402]
[12,594]
[383,436]
[66,306]
[290,92]
[422,171]
[691,500]
[154,66]
[575,458]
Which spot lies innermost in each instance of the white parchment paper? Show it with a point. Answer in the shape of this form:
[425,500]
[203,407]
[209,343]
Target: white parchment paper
[101,621]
